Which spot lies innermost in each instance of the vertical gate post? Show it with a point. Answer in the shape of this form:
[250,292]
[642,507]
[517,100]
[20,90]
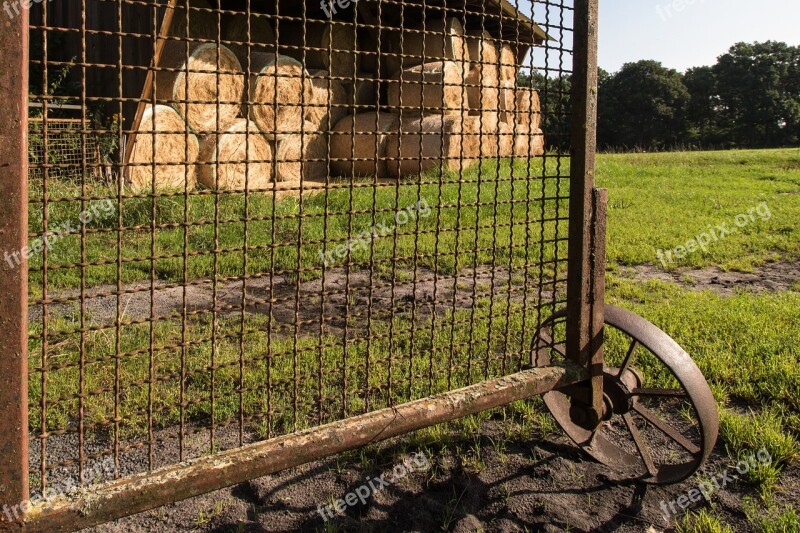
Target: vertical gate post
[584,295]
[13,266]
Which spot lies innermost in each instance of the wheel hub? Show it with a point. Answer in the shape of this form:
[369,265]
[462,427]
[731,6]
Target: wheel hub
[617,390]
[617,398]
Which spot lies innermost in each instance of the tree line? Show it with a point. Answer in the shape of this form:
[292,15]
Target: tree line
[749,99]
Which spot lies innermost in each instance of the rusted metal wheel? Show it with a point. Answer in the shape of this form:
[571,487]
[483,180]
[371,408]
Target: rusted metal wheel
[660,421]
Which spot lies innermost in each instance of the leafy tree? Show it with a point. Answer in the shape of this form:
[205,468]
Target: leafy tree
[644,106]
[759,91]
[704,128]
[750,98]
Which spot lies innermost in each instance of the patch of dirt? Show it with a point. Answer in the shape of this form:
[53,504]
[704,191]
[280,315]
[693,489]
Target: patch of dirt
[341,294]
[771,277]
[537,485]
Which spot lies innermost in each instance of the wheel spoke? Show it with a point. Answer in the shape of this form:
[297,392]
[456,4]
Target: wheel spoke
[660,393]
[666,428]
[644,451]
[628,357]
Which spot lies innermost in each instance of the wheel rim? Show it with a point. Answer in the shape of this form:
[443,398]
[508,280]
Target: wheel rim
[658,429]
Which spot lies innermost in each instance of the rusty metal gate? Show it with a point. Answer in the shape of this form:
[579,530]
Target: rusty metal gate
[290,229]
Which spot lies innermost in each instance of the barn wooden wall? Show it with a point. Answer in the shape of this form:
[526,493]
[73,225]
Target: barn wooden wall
[113,31]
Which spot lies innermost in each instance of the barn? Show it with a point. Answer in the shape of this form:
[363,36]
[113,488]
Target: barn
[216,95]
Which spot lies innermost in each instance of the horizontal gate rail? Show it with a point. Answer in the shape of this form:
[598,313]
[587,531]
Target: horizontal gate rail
[206,474]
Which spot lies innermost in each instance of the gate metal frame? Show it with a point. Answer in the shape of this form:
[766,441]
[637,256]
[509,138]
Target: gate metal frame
[585,293]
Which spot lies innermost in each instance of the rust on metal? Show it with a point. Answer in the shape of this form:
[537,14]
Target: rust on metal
[200,476]
[597,301]
[212,311]
[583,315]
[14,266]
[334,219]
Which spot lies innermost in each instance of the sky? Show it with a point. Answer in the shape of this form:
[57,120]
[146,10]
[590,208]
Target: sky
[693,36]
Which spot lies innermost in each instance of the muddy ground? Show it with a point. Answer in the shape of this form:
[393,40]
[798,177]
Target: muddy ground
[771,277]
[280,295]
[544,484]
[340,294]
[541,483]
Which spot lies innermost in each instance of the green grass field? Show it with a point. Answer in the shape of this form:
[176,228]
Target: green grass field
[205,233]
[657,202]
[746,344]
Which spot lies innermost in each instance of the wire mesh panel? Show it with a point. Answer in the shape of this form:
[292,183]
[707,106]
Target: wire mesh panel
[66,146]
[316,210]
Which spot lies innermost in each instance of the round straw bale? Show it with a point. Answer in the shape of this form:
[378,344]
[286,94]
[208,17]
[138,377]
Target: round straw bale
[438,40]
[489,140]
[262,36]
[483,78]
[486,127]
[199,82]
[339,54]
[364,94]
[529,144]
[508,64]
[358,144]
[279,86]
[302,156]
[166,150]
[528,109]
[202,23]
[471,138]
[430,88]
[505,144]
[482,48]
[483,89]
[326,93]
[426,143]
[242,155]
[489,121]
[508,102]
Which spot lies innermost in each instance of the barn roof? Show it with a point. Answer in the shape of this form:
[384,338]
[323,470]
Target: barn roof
[506,25]
[499,17]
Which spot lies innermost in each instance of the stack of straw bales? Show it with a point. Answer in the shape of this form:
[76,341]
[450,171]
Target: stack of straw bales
[205,130]
[509,116]
[424,124]
[452,100]
[266,106]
